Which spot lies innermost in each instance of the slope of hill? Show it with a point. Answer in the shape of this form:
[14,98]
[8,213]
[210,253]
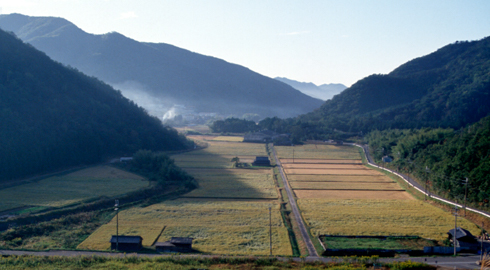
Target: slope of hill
[323,92]
[450,155]
[447,88]
[164,72]
[54,117]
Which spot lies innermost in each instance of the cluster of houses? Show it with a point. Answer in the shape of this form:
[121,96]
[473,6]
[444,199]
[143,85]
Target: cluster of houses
[267,136]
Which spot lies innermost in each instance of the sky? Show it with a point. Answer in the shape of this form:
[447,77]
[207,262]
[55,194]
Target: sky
[319,41]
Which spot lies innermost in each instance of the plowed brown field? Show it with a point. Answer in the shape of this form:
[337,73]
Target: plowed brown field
[320,161]
[339,178]
[352,194]
[323,166]
[333,171]
[345,185]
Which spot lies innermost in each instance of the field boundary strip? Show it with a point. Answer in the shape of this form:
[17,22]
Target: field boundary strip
[420,190]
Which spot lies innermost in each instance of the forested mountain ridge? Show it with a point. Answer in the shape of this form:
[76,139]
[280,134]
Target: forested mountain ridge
[165,72]
[447,88]
[53,117]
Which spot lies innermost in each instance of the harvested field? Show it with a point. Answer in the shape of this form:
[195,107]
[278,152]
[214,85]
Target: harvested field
[231,149]
[71,188]
[364,171]
[218,227]
[339,178]
[312,151]
[324,166]
[228,138]
[345,185]
[208,161]
[320,161]
[380,218]
[242,185]
[352,194]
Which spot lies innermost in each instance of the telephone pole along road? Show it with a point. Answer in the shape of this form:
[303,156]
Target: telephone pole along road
[294,208]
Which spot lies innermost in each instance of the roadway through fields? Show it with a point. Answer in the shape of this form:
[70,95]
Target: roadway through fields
[295,209]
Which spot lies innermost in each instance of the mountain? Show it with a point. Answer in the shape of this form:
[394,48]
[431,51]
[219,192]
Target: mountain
[54,117]
[447,88]
[323,92]
[160,73]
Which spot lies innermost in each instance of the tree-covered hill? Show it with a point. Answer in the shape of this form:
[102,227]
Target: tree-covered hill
[53,117]
[167,74]
[446,157]
[447,88]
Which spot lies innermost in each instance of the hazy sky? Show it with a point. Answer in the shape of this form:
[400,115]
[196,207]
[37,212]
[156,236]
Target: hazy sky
[319,41]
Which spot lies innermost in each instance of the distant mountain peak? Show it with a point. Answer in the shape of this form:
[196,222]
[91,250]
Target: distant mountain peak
[324,91]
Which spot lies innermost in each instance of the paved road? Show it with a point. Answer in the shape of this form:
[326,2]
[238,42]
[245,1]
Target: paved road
[294,207]
[459,262]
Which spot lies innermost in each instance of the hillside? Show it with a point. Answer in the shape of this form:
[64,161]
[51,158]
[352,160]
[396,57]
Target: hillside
[450,156]
[53,117]
[323,92]
[163,74]
[447,88]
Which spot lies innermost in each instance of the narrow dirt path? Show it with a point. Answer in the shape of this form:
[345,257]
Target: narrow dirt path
[294,207]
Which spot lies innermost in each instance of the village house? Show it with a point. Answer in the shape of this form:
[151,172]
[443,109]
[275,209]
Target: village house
[176,244]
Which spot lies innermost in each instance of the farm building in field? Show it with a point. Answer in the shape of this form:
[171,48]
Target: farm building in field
[261,161]
[126,242]
[176,244]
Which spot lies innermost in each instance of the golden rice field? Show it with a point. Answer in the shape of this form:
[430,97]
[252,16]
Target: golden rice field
[57,191]
[345,185]
[320,151]
[339,178]
[217,226]
[228,138]
[379,217]
[358,201]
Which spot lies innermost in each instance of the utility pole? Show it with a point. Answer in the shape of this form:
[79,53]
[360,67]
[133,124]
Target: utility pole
[465,194]
[455,227]
[481,241]
[293,154]
[116,208]
[270,231]
[427,189]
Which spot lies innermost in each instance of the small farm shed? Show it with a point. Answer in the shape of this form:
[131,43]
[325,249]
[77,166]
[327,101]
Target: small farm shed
[176,244]
[127,242]
[462,235]
[261,161]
